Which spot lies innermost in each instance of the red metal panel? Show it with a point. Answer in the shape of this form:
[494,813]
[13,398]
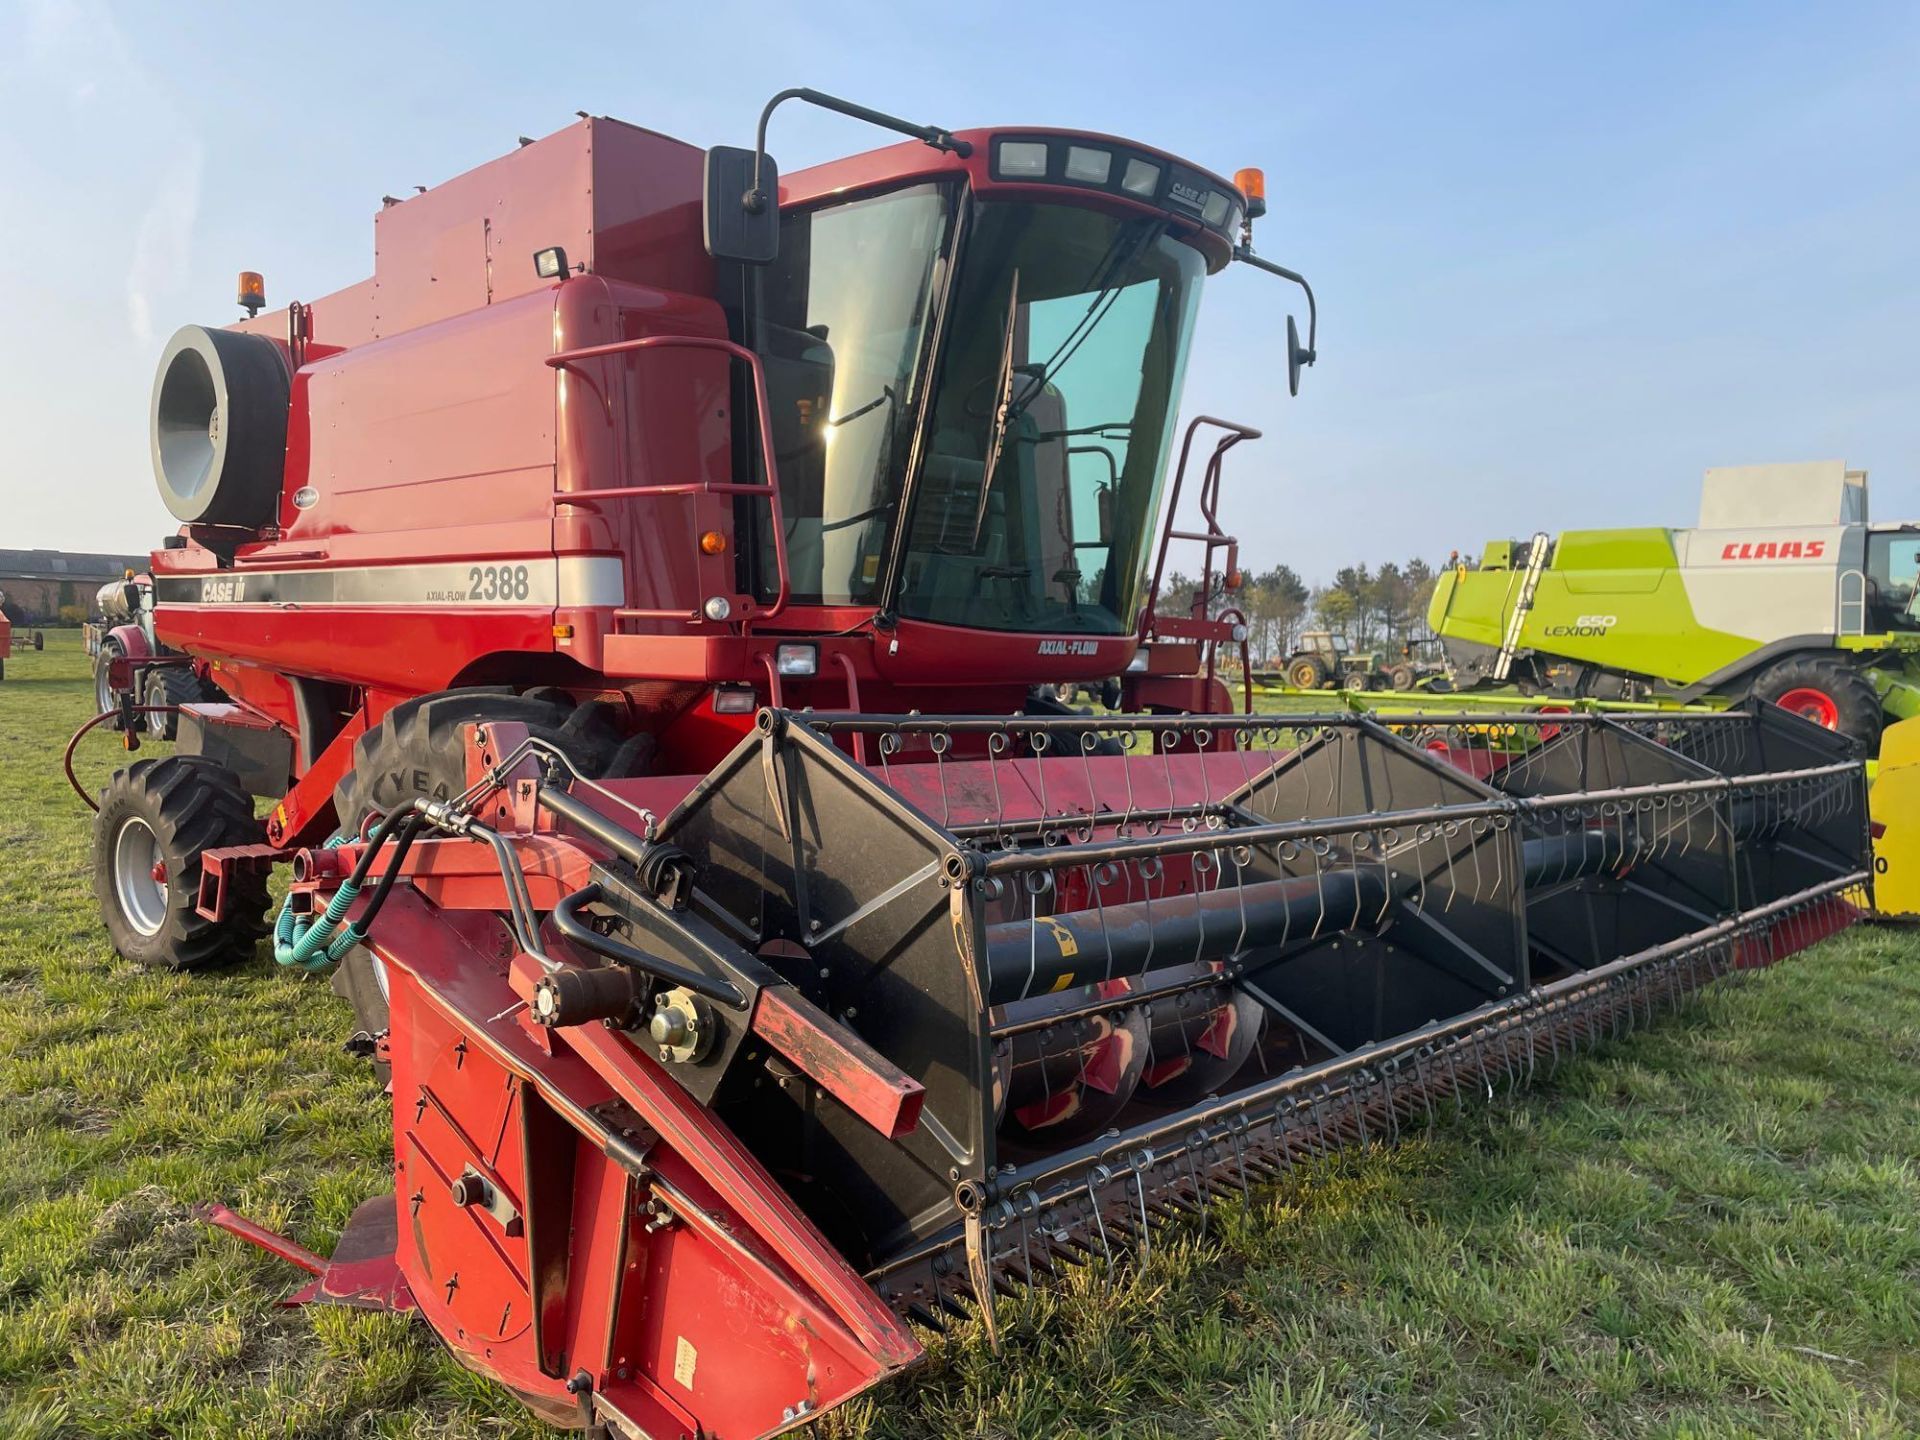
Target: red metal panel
[469,241]
[437,443]
[647,195]
[643,419]
[965,792]
[694,1287]
[412,650]
[916,653]
[839,1061]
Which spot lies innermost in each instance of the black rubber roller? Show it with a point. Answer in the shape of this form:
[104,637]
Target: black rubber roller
[575,995]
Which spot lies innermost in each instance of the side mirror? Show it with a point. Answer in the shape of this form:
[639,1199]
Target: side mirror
[132,594]
[734,232]
[1297,356]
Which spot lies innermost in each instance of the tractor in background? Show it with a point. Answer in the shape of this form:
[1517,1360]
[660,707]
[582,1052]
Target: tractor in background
[138,677]
[1326,660]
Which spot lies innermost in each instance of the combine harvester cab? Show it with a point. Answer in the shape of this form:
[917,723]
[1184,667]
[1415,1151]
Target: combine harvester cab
[746,994]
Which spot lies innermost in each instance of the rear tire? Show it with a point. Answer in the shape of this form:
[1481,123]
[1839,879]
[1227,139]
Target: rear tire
[1829,692]
[1306,673]
[157,818]
[1401,677]
[170,685]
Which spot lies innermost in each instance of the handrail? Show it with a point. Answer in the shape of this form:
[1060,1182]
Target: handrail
[1213,538]
[1210,487]
[771,489]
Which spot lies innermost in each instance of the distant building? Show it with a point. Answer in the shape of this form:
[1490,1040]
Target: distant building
[38,584]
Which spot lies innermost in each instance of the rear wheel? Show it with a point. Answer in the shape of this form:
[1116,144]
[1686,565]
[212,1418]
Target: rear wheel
[1828,692]
[170,685]
[157,818]
[1400,677]
[1305,672]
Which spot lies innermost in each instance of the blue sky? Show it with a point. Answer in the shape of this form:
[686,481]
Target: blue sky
[1567,256]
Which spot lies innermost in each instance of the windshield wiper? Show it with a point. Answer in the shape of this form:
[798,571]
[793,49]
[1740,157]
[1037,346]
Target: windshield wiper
[1127,247]
[1002,409]
[885,397]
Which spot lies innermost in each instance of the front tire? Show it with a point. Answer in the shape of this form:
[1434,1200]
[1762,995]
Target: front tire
[157,818]
[1827,691]
[418,749]
[105,697]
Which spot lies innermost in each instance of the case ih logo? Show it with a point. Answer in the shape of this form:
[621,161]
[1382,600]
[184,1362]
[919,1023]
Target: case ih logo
[1069,647]
[1774,550]
[1191,196]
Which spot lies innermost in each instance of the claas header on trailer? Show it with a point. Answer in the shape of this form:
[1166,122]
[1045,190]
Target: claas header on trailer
[632,601]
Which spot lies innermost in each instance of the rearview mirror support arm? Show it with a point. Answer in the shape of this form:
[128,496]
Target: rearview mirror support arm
[1243,253]
[756,199]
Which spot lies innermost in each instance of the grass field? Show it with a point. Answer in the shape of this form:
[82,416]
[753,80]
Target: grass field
[1709,1230]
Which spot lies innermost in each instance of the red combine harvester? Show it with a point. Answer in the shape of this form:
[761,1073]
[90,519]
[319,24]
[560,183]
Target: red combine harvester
[638,596]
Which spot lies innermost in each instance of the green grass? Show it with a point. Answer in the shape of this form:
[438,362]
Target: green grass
[1709,1230]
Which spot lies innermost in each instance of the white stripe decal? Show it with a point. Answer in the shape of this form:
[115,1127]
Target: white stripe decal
[573,580]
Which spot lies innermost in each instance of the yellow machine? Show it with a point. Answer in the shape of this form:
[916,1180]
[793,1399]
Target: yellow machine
[1894,803]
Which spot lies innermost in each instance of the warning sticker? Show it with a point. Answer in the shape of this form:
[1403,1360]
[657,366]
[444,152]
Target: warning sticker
[685,1357]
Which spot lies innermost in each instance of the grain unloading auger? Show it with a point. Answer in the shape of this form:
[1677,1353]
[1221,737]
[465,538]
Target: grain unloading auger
[888,1015]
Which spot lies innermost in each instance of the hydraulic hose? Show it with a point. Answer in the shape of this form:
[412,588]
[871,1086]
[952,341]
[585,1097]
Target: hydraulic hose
[314,944]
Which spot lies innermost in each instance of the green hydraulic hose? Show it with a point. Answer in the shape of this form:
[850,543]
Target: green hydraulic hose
[304,943]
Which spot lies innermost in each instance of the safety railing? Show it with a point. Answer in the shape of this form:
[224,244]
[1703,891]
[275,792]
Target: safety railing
[1222,627]
[769,490]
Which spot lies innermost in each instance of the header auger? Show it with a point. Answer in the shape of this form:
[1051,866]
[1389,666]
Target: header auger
[635,601]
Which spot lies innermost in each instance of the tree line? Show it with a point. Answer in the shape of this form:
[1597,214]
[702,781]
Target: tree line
[1374,609]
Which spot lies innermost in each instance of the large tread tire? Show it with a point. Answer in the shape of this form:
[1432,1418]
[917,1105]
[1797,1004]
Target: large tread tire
[170,685]
[417,749]
[176,809]
[1305,672]
[1401,677]
[1848,702]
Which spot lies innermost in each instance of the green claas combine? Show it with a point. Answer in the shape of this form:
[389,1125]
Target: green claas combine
[1784,592]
